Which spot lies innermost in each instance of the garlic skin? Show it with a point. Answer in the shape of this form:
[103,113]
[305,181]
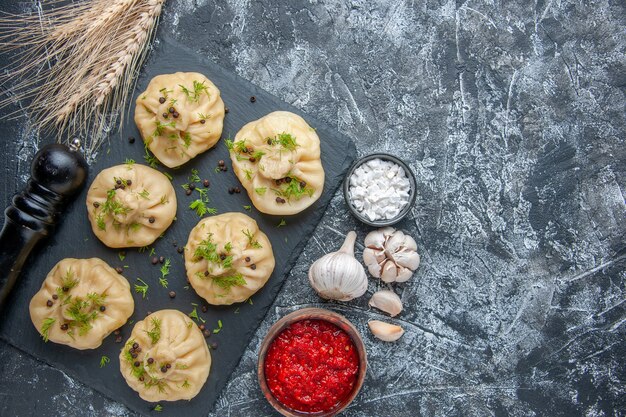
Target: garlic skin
[338,275]
[390,255]
[385,331]
[387,301]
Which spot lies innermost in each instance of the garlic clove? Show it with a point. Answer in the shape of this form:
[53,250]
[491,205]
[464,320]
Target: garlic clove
[387,301]
[407,258]
[389,271]
[395,242]
[338,275]
[374,269]
[373,256]
[385,331]
[404,274]
[409,243]
[377,238]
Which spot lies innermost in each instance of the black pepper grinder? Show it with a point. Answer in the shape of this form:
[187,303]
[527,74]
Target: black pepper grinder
[57,173]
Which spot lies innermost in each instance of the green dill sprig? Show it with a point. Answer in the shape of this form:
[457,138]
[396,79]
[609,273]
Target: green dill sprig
[145,194]
[282,223]
[129,163]
[155,332]
[158,408]
[165,271]
[160,127]
[68,281]
[194,314]
[218,328]
[225,282]
[252,242]
[142,289]
[248,208]
[260,191]
[295,189]
[149,157]
[104,360]
[198,89]
[45,327]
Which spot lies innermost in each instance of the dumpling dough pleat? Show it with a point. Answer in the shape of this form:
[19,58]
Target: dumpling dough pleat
[81,302]
[228,258]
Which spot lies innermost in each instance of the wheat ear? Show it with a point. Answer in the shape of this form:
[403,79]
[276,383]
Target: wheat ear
[75,65]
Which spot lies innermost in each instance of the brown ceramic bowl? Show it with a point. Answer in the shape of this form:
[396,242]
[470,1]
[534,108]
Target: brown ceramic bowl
[319,314]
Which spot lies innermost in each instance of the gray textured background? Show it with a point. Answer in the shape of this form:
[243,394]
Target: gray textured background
[512,116]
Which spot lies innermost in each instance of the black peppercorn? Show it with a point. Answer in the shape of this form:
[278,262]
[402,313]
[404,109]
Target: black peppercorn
[168,366]
[237,190]
[151,219]
[192,186]
[118,182]
[65,326]
[103,308]
[161,100]
[203,121]
[141,378]
[119,270]
[206,273]
[161,259]
[49,303]
[188,192]
[65,289]
[154,260]
[172,294]
[136,364]
[221,162]
[55,297]
[252,99]
[226,109]
[280,200]
[287,180]
[138,350]
[202,327]
[150,361]
[302,184]
[224,168]
[164,369]
[204,308]
[252,159]
[214,345]
[171,110]
[269,141]
[118,339]
[222,256]
[206,183]
[131,139]
[129,182]
[134,355]
[247,259]
[117,332]
[180,249]
[206,333]
[96,204]
[253,267]
[135,345]
[231,191]
[175,115]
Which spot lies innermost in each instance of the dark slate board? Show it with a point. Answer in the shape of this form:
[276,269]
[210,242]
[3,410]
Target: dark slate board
[75,239]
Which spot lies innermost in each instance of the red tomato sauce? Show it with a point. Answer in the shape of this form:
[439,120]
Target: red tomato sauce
[311,366]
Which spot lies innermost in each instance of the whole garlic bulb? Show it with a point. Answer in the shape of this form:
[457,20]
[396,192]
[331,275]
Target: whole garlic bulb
[390,255]
[338,275]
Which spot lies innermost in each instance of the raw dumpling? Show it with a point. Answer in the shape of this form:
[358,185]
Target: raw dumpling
[81,302]
[166,357]
[277,159]
[228,258]
[130,205]
[179,116]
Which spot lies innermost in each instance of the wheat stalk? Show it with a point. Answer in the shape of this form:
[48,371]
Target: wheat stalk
[75,64]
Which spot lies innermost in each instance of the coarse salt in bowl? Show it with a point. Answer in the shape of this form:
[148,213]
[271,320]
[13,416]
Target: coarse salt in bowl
[379,189]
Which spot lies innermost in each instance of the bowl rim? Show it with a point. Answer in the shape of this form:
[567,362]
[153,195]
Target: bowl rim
[312,313]
[412,195]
